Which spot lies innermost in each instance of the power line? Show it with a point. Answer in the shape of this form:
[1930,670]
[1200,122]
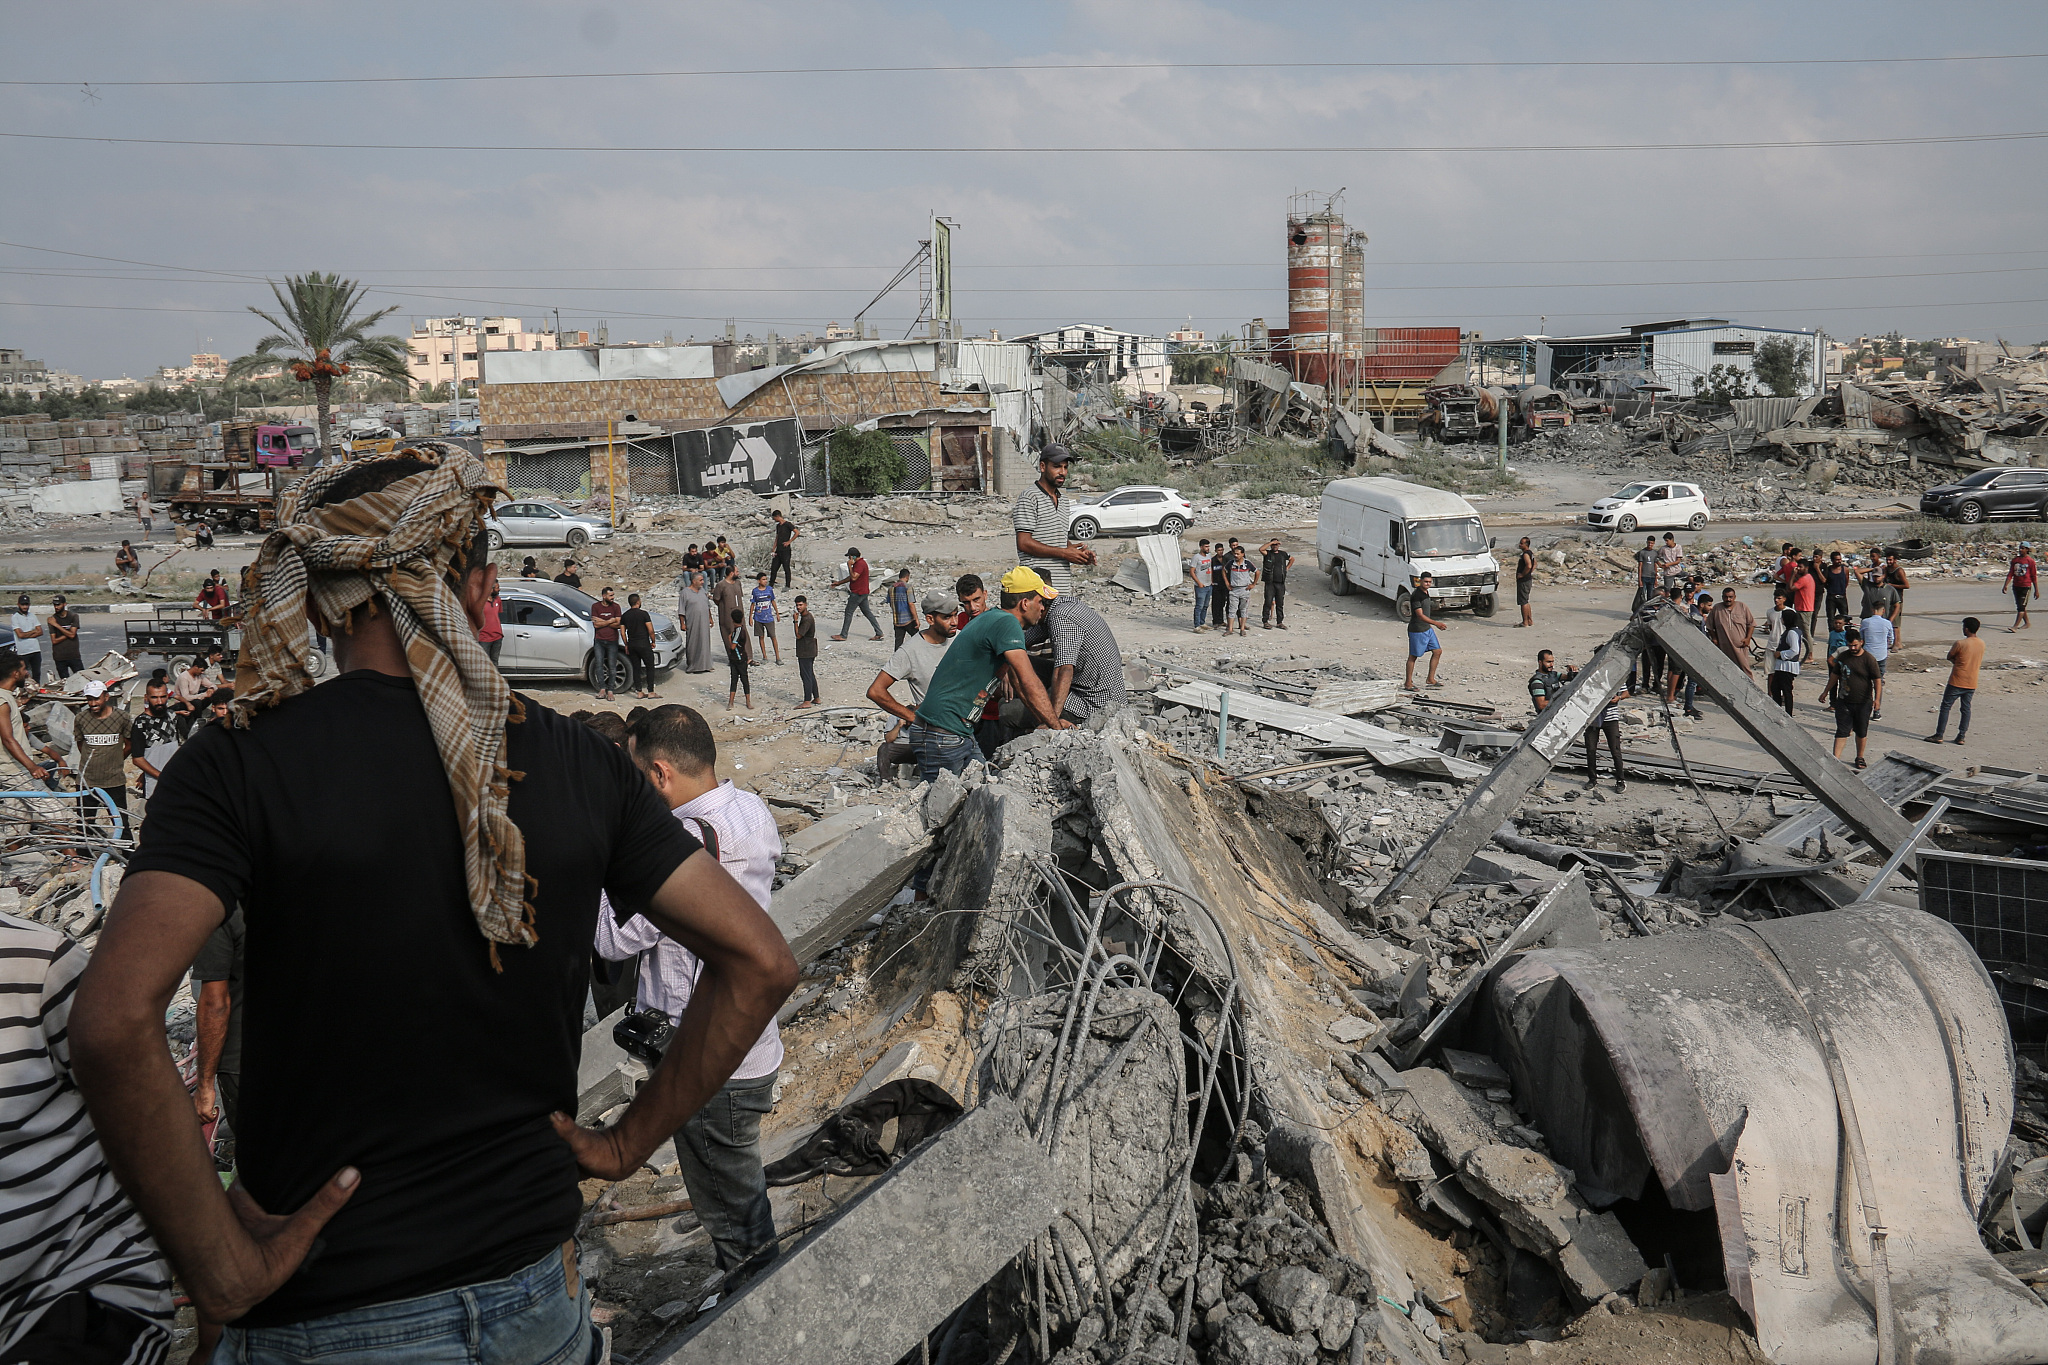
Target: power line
[1946,139]
[1039,318]
[1001,67]
[1110,288]
[248,273]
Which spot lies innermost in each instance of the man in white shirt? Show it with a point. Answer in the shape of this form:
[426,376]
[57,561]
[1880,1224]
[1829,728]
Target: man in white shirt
[1878,635]
[719,1149]
[28,637]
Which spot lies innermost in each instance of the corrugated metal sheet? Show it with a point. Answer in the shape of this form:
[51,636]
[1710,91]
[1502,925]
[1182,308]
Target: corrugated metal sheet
[993,365]
[587,365]
[1764,414]
[1681,358]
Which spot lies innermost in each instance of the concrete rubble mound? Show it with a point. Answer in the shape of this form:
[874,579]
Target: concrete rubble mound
[1277,1042]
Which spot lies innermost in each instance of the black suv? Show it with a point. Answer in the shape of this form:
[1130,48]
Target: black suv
[1991,495]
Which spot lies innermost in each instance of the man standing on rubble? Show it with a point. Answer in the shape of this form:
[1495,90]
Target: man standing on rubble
[719,1149]
[1202,573]
[1731,626]
[414,823]
[1856,678]
[785,537]
[1422,635]
[1878,639]
[1646,574]
[1219,583]
[942,730]
[1043,544]
[1274,563]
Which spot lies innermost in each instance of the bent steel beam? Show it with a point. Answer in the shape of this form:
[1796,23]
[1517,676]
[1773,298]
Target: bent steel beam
[1858,807]
[1494,798]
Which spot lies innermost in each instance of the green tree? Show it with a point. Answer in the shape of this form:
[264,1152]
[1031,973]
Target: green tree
[1722,384]
[865,461]
[1783,366]
[320,338]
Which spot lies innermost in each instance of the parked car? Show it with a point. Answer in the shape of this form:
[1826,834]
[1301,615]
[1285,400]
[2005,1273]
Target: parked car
[1647,504]
[1381,534]
[1136,510]
[1990,495]
[539,522]
[548,634]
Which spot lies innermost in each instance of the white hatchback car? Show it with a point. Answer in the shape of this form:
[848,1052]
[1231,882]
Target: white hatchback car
[1134,510]
[1649,503]
[548,634]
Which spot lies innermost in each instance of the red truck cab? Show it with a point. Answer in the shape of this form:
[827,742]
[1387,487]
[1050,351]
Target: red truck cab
[283,446]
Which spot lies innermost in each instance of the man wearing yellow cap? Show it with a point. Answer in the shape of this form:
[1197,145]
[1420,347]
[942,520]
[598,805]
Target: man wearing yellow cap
[943,733]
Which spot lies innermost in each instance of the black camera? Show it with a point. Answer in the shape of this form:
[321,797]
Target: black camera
[644,1034]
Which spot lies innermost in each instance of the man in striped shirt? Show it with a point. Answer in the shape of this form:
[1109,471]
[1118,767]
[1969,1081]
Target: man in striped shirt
[1041,522]
[1609,724]
[81,1280]
[1087,665]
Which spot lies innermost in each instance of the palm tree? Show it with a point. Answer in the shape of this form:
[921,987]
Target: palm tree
[319,338]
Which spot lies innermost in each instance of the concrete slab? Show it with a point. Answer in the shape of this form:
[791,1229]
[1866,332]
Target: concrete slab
[1443,1114]
[834,895]
[872,1281]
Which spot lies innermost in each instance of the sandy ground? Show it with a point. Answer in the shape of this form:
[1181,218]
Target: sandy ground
[1485,660]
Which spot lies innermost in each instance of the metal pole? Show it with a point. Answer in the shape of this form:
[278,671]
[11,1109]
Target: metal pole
[611,472]
[1222,724]
[1500,423]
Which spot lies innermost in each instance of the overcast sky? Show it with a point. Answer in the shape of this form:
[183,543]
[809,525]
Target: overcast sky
[1931,239]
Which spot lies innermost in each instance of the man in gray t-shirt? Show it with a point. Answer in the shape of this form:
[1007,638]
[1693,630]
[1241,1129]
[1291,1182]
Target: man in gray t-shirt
[1087,665]
[913,663]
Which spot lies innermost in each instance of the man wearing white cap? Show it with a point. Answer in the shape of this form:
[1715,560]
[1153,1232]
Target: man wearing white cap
[103,733]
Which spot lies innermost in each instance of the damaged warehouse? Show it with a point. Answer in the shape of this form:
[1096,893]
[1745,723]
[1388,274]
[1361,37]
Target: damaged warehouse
[1219,1107]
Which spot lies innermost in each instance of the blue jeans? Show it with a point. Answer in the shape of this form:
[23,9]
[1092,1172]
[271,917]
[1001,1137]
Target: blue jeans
[539,1316]
[719,1151]
[940,751]
[1202,596]
[1950,695]
[610,656]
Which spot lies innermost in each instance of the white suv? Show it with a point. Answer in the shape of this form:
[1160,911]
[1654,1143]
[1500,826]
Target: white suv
[1650,504]
[1134,510]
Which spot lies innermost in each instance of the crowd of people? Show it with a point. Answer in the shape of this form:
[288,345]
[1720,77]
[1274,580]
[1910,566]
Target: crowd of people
[501,873]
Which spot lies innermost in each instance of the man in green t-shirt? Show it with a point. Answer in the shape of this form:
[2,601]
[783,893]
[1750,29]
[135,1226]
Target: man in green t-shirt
[943,733]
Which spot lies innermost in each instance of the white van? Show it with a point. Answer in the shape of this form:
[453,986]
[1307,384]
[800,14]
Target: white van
[1380,534]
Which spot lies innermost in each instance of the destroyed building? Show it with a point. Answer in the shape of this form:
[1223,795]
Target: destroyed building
[1283,1025]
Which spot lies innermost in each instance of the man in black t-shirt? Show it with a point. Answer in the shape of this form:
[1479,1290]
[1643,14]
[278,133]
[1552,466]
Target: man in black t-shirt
[569,575]
[785,532]
[637,628]
[1274,563]
[418,857]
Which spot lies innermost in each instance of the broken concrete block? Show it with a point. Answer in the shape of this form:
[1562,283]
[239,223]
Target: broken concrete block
[886,1268]
[1349,1028]
[985,877]
[1529,1192]
[1478,1071]
[1600,1259]
[942,798]
[1292,1297]
[810,842]
[1443,1114]
[1245,1341]
[866,870]
[1339,1316]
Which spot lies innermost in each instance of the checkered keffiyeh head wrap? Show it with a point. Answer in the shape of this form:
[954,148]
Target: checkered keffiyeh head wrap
[396,549]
